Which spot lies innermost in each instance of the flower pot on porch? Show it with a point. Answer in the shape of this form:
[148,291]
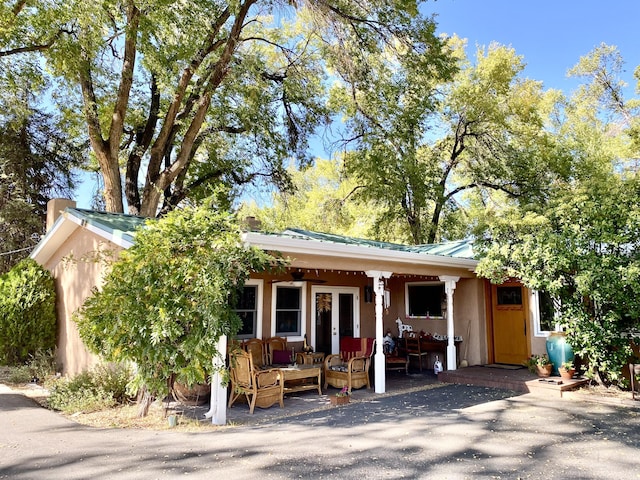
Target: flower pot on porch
[339,400]
[566,374]
[544,370]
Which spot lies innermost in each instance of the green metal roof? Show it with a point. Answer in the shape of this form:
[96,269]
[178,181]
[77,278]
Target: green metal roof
[123,226]
[117,224]
[456,249]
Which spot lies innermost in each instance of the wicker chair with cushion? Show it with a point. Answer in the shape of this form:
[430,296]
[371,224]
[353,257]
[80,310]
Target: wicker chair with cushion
[262,388]
[350,368]
[279,345]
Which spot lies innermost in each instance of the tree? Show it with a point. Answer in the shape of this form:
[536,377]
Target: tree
[167,300]
[580,243]
[179,96]
[27,312]
[422,140]
[36,163]
[321,200]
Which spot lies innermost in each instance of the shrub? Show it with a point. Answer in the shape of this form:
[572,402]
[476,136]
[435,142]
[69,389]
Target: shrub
[98,389]
[27,312]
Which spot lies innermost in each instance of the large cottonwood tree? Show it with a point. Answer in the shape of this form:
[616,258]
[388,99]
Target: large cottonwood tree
[417,142]
[175,96]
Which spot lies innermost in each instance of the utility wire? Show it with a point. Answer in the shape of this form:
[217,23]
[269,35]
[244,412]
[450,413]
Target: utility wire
[16,251]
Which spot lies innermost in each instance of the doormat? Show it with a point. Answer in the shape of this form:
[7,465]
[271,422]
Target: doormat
[504,366]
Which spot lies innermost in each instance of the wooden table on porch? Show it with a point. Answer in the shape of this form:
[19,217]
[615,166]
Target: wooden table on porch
[296,376]
[432,346]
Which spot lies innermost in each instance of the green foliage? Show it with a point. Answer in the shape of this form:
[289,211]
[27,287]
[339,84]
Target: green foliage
[423,140]
[168,299]
[199,94]
[40,367]
[322,196]
[103,387]
[27,312]
[580,240]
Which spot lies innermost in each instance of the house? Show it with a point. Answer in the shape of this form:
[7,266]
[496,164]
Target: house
[335,286]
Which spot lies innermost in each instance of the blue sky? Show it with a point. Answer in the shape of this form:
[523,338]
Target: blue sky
[551,35]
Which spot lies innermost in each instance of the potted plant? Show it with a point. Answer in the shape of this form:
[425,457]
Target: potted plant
[539,364]
[340,398]
[567,370]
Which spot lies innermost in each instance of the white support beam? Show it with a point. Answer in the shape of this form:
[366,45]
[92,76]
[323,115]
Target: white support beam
[379,359]
[449,288]
[218,405]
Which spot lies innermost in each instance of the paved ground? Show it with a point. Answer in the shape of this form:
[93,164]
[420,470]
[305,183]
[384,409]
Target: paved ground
[448,432]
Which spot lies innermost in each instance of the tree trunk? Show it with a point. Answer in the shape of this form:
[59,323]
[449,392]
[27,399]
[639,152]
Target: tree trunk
[144,402]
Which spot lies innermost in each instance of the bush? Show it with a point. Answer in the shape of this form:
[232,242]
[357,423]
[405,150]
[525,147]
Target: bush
[39,368]
[103,387]
[27,312]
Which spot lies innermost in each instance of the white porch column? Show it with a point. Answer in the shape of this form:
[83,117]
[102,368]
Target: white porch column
[218,405]
[449,287]
[379,363]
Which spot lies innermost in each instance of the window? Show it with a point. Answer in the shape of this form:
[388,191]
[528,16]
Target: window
[249,309]
[544,313]
[509,295]
[289,312]
[424,299]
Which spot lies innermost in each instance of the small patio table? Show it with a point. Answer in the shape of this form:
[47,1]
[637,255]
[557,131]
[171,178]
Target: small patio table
[301,372]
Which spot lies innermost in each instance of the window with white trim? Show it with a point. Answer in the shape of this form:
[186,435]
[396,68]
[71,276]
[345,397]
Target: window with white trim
[425,299]
[249,309]
[289,310]
[543,312]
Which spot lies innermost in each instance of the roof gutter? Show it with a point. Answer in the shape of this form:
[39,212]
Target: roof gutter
[330,249]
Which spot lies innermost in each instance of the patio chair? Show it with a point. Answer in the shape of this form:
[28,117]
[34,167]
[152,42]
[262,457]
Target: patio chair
[350,368]
[261,388]
[255,346]
[413,348]
[279,345]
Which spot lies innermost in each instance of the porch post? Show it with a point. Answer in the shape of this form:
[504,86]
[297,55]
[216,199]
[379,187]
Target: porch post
[449,287]
[379,363]
[218,405]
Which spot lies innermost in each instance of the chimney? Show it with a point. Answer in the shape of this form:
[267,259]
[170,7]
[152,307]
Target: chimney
[253,224]
[55,207]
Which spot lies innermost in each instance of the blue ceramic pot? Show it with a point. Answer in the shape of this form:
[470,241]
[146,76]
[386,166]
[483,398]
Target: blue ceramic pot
[558,350]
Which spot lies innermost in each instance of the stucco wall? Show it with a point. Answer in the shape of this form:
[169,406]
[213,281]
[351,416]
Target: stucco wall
[76,271]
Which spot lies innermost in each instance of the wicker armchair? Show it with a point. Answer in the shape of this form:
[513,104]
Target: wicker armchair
[350,368]
[275,344]
[255,346]
[262,388]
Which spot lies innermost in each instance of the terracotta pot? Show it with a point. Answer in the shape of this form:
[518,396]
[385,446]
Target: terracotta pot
[335,400]
[566,374]
[544,370]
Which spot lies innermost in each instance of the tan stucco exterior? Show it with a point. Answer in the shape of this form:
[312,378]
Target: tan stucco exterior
[69,252]
[76,271]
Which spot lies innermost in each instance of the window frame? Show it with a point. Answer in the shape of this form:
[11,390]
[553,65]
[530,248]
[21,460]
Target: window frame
[259,283]
[534,301]
[426,283]
[303,310]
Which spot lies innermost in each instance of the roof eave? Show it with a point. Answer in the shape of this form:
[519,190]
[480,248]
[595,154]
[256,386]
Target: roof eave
[69,221]
[313,247]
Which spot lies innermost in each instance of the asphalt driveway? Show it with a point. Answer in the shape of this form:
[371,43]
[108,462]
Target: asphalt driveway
[450,432]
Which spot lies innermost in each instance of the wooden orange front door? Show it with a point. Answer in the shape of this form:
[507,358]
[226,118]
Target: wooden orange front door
[510,335]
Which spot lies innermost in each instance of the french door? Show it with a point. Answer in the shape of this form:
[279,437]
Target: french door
[337,314]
